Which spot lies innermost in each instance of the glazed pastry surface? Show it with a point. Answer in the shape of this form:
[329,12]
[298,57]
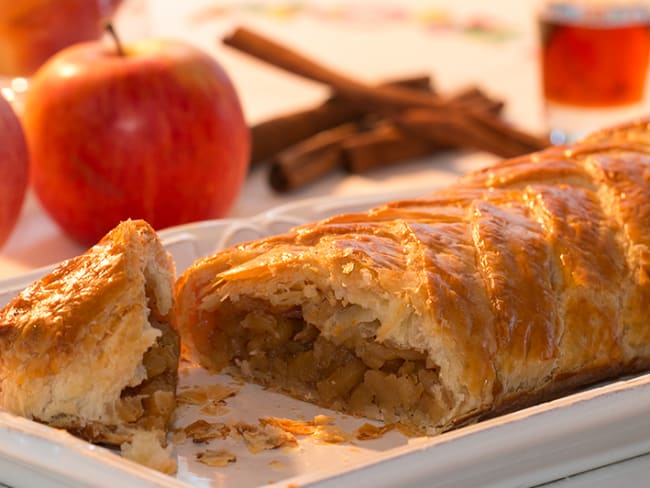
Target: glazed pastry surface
[520,282]
[90,347]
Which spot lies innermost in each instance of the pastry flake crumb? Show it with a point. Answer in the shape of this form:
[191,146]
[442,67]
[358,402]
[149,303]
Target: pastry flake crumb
[295,427]
[320,428]
[200,395]
[277,465]
[330,434]
[145,448]
[368,431]
[260,438]
[217,458]
[407,431]
[214,409]
[323,419]
[202,431]
[298,427]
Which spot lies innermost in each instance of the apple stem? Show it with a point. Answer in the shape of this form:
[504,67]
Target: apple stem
[116,39]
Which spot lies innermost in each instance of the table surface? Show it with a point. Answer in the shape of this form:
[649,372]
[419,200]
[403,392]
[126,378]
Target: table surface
[490,44]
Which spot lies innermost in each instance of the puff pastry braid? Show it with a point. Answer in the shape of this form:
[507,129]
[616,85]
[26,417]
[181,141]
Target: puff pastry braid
[520,282]
[89,347]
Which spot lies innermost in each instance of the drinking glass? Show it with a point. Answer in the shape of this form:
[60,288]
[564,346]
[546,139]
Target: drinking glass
[594,64]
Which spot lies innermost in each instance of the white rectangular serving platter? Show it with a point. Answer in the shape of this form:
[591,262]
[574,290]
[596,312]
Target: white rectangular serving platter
[597,427]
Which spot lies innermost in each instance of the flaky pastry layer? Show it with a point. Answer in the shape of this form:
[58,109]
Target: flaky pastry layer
[520,282]
[90,347]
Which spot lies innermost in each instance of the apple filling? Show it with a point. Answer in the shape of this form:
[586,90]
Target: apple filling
[349,372]
[151,403]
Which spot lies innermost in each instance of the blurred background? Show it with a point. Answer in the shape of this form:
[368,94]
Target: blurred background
[493,46]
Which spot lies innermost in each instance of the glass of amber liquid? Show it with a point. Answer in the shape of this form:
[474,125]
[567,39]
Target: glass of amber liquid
[594,64]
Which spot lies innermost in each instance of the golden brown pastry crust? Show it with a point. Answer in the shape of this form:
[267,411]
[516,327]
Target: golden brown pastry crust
[90,347]
[520,282]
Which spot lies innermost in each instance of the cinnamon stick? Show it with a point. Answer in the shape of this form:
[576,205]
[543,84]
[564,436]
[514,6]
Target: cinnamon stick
[375,143]
[475,99]
[386,144]
[274,135]
[387,98]
[452,129]
[309,160]
[381,146]
[278,55]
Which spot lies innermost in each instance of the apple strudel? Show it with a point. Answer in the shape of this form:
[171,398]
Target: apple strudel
[521,282]
[90,347]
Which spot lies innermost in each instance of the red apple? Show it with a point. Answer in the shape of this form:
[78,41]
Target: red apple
[14,168]
[33,30]
[154,132]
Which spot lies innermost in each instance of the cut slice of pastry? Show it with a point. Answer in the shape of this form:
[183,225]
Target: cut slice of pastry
[519,283]
[90,347]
